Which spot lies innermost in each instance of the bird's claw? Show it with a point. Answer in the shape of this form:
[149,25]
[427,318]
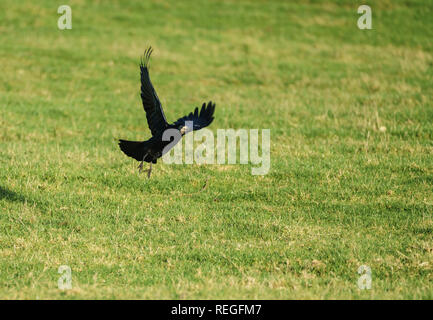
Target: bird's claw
[140,167]
[149,171]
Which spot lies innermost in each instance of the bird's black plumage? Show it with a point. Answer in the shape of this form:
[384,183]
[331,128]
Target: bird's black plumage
[152,149]
[151,104]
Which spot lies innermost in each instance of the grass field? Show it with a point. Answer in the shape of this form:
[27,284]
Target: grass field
[350,184]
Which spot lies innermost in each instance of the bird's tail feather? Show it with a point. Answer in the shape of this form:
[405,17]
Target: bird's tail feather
[135,149]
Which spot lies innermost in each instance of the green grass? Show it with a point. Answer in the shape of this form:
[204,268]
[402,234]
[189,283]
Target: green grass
[342,191]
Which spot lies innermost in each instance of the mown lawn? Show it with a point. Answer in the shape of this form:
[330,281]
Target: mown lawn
[351,179]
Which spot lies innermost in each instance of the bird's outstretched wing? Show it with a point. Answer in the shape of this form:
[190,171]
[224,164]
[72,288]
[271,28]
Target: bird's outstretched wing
[200,120]
[154,113]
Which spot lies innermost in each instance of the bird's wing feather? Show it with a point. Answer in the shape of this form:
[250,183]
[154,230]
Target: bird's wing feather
[200,119]
[154,113]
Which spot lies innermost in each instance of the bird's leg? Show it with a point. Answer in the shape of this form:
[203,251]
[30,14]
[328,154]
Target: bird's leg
[140,167]
[149,171]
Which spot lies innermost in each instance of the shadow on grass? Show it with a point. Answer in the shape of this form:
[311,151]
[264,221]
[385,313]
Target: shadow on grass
[11,195]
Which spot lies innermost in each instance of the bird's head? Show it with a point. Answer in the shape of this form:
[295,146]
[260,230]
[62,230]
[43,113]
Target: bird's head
[184,129]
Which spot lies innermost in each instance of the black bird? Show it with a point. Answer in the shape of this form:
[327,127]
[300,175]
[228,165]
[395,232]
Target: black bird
[152,149]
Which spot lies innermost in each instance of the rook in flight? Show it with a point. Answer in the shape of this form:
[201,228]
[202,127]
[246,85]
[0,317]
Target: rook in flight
[152,149]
